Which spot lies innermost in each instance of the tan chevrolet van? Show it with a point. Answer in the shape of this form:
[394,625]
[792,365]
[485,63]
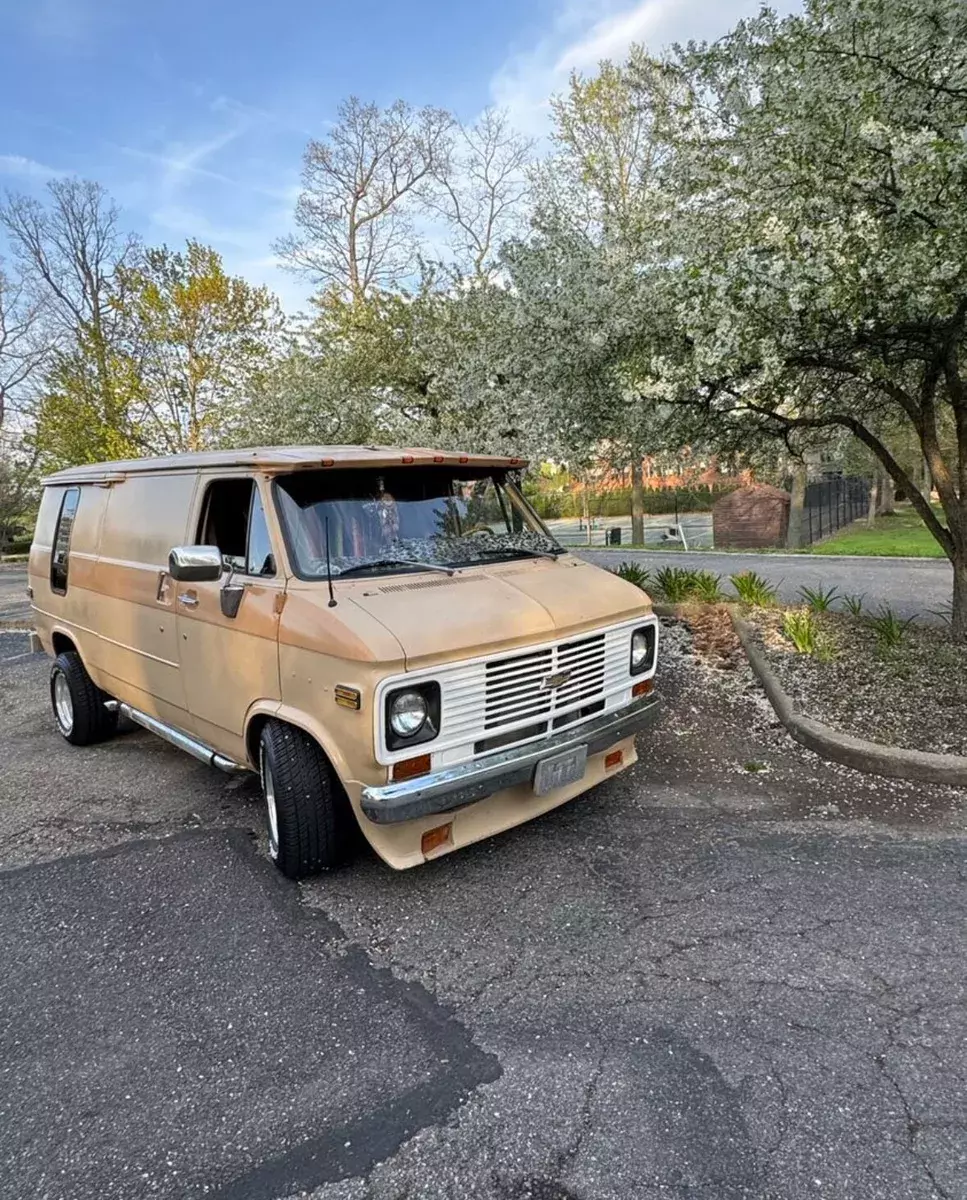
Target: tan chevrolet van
[388,637]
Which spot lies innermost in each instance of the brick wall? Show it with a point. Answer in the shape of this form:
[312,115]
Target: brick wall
[751,517]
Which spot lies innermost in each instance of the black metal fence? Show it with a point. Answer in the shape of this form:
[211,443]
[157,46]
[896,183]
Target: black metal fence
[832,503]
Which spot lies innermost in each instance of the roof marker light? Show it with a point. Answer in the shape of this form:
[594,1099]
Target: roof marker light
[407,458]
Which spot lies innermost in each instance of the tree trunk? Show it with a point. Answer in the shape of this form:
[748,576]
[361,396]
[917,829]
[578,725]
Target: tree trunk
[637,503]
[926,480]
[797,503]
[874,499]
[887,496]
[958,612]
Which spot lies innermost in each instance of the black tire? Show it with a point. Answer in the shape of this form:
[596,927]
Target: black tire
[315,829]
[87,720]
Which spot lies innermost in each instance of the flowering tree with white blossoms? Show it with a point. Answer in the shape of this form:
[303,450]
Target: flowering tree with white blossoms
[817,247]
[584,324]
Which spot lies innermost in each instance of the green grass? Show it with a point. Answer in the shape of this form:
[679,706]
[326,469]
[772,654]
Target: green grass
[902,534]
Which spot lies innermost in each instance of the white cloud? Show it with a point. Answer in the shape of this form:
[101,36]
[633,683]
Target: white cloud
[26,168]
[586,31]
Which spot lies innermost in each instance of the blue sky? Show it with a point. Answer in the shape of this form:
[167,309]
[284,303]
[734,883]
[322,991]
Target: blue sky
[195,114]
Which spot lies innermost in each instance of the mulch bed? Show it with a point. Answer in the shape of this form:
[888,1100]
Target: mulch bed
[913,696]
[714,639]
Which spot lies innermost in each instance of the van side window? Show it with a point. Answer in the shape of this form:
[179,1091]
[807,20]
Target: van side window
[233,519]
[62,540]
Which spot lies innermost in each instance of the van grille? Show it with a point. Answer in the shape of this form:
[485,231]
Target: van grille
[524,687]
[495,702]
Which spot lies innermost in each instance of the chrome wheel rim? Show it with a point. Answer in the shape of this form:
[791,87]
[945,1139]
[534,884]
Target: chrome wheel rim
[268,786]
[63,704]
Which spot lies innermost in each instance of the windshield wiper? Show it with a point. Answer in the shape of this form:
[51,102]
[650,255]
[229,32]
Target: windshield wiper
[522,550]
[394,562]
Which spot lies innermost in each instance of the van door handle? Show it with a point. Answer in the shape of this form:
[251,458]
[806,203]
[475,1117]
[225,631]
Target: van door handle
[189,599]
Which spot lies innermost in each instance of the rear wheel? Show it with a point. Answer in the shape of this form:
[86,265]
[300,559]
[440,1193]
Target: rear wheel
[309,820]
[78,703]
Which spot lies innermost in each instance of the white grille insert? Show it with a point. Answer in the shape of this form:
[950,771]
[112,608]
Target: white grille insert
[528,691]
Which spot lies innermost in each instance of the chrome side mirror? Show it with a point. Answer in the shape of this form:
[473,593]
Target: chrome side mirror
[195,564]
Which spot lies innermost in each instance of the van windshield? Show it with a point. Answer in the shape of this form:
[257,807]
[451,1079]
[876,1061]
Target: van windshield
[399,518]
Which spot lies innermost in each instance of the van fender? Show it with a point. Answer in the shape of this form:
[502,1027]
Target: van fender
[49,631]
[262,709]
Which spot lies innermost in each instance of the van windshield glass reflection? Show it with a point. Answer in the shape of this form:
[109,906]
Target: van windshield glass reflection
[389,518]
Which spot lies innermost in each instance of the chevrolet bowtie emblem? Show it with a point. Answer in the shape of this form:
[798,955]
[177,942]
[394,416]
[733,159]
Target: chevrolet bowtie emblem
[556,681]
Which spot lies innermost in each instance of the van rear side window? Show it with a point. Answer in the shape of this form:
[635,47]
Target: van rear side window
[62,540]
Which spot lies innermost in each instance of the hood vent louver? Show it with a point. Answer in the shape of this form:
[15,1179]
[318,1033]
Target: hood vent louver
[425,583]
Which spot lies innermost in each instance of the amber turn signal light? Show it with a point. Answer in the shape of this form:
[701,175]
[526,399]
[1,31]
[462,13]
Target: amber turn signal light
[409,768]
[614,759]
[642,688]
[348,697]
[434,838]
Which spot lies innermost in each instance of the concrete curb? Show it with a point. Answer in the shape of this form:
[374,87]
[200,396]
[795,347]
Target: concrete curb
[873,758]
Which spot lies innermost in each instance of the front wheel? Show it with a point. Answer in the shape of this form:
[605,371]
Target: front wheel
[309,820]
[78,702]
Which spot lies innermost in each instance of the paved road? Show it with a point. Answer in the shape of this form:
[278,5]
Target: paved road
[14,606]
[700,981]
[911,586]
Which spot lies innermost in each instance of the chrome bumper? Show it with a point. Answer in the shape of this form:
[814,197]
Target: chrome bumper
[453,787]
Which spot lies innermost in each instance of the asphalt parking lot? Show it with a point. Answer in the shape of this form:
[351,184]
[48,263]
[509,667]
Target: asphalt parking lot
[733,971]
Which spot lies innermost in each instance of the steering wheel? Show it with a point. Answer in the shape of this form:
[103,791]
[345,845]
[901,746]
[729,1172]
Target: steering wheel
[475,530]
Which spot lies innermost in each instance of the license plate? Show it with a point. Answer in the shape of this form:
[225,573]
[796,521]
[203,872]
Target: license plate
[560,770]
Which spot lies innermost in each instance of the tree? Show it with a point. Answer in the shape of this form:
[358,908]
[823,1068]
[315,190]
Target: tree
[819,245]
[194,336]
[586,322]
[18,487]
[71,254]
[358,185]
[607,152]
[480,191]
[23,349]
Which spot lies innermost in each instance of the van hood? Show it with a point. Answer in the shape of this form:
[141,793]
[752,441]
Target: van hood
[482,610]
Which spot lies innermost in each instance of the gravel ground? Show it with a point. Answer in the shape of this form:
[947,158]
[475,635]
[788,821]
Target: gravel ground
[734,972]
[914,696]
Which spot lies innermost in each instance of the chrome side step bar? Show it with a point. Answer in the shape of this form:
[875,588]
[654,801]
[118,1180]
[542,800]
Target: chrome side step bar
[190,745]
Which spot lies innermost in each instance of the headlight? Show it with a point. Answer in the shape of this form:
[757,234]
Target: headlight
[407,713]
[642,649]
[411,715]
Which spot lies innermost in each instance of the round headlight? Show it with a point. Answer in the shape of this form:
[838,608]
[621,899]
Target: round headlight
[640,650]
[407,713]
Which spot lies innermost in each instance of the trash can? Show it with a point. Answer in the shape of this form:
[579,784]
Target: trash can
[614,536]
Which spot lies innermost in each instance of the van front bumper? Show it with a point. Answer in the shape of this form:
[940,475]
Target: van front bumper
[453,787]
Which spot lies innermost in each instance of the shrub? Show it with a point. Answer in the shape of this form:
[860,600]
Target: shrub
[634,573]
[854,603]
[753,590]
[617,501]
[676,583]
[707,587]
[890,629]
[800,627]
[817,600]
